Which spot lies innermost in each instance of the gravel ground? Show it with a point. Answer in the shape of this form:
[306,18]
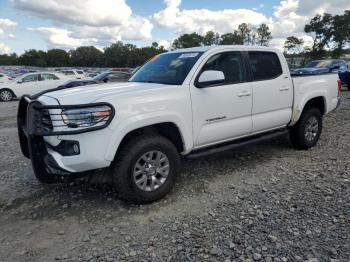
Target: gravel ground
[266,202]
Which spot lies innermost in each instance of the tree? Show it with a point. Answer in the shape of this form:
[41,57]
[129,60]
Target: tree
[188,40]
[230,39]
[11,59]
[155,45]
[320,27]
[341,32]
[263,35]
[211,38]
[57,57]
[113,54]
[246,33]
[294,45]
[127,55]
[86,56]
[33,57]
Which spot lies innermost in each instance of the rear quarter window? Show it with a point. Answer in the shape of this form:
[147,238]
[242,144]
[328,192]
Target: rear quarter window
[265,65]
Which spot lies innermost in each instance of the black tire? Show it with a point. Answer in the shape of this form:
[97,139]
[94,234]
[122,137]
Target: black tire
[124,168]
[6,95]
[348,84]
[300,134]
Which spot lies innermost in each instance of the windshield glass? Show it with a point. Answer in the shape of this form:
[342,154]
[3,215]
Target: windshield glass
[100,76]
[169,68]
[318,64]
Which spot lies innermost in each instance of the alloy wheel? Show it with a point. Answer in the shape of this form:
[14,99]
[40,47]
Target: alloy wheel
[151,171]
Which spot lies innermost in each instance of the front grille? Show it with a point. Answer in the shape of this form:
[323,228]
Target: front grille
[46,121]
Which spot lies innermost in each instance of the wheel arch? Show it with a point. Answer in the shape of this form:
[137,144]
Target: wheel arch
[174,131]
[318,101]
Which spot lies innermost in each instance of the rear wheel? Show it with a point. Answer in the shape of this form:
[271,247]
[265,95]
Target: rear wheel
[145,169]
[6,95]
[307,131]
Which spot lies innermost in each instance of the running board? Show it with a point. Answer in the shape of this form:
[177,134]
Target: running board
[238,143]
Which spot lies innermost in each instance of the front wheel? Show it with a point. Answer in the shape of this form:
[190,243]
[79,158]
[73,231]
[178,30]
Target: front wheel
[6,95]
[307,131]
[145,169]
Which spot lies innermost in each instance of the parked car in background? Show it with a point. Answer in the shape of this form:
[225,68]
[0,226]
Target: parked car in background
[30,84]
[4,78]
[317,67]
[73,73]
[74,83]
[125,70]
[91,75]
[112,76]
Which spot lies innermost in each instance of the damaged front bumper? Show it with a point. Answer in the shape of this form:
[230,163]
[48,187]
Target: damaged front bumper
[54,149]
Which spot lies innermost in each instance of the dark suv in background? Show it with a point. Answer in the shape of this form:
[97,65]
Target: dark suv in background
[317,67]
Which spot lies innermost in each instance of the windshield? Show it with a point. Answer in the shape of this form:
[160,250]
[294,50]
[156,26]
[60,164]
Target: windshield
[169,68]
[100,76]
[318,64]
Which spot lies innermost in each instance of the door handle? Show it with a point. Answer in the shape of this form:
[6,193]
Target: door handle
[284,88]
[244,93]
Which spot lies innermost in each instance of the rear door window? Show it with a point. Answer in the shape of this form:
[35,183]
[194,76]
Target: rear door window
[265,65]
[44,77]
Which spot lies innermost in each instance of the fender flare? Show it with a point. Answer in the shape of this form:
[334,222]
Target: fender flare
[298,110]
[123,128]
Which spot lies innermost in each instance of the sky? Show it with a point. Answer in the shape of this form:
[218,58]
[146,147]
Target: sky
[67,24]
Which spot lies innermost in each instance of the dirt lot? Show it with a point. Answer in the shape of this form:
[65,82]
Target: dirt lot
[266,202]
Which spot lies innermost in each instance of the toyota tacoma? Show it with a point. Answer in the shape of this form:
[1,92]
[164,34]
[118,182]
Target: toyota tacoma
[184,103]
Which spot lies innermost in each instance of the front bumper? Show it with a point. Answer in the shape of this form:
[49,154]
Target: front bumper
[59,152]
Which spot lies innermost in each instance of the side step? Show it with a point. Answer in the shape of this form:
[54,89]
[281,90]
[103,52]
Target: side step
[238,143]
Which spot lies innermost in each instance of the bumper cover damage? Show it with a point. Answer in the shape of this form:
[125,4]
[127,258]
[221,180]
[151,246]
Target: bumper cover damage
[35,125]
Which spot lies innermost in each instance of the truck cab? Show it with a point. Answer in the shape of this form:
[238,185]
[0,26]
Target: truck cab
[184,103]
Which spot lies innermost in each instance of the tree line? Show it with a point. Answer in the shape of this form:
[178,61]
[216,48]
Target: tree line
[127,55]
[116,55]
[330,34]
[246,34]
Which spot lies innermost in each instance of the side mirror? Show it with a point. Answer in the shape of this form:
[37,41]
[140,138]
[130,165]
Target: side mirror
[20,81]
[209,78]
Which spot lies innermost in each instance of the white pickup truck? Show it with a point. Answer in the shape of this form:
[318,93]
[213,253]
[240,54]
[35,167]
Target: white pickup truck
[188,103]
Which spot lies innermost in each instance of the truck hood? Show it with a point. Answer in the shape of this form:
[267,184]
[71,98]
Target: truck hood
[310,71]
[91,93]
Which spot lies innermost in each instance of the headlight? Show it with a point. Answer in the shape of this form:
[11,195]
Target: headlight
[94,116]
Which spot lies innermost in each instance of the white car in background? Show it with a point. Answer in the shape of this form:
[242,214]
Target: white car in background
[4,78]
[30,84]
[73,73]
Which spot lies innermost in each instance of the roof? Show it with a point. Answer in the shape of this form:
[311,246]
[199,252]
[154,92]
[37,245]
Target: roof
[221,47]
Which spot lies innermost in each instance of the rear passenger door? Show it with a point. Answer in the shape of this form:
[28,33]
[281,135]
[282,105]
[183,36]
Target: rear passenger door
[272,91]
